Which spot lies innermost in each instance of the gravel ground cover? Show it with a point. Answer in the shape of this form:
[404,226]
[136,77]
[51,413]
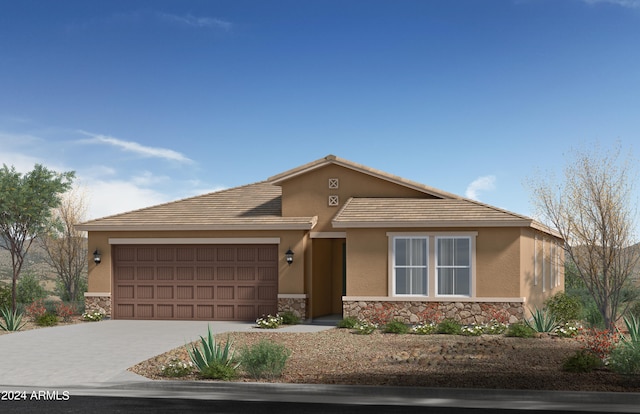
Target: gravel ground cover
[338,356]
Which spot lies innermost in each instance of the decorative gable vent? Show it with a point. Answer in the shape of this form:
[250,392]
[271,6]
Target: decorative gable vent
[333,201]
[334,183]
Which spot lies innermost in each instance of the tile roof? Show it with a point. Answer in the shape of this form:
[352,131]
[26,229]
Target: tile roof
[332,159]
[252,207]
[412,212]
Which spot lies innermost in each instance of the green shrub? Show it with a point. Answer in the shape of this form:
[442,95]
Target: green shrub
[219,371]
[581,361]
[625,358]
[473,330]
[520,330]
[176,368]
[349,322]
[48,319]
[425,328]
[269,321]
[633,327]
[265,359]
[633,309]
[542,321]
[564,307]
[449,327]
[5,297]
[396,327]
[365,328]
[495,328]
[12,320]
[29,289]
[289,318]
[94,316]
[211,353]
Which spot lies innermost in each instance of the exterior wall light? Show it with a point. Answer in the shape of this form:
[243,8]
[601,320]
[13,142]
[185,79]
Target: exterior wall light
[97,257]
[289,256]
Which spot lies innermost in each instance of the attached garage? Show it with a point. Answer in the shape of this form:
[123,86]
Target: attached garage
[194,282]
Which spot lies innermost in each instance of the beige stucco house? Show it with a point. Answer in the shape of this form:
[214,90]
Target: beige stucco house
[365,243]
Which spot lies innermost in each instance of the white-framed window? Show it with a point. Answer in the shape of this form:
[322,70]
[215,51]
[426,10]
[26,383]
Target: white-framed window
[411,266]
[453,266]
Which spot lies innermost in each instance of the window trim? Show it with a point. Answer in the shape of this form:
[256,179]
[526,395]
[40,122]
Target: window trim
[470,267]
[431,271]
[393,266]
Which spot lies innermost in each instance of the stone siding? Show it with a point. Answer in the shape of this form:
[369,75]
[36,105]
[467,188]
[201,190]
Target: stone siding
[98,303]
[296,305]
[418,312]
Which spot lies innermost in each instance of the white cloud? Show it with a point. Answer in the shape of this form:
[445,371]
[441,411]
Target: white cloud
[134,147]
[633,4]
[485,183]
[193,21]
[106,198]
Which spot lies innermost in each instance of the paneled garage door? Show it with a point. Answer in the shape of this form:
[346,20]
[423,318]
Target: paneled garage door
[209,282]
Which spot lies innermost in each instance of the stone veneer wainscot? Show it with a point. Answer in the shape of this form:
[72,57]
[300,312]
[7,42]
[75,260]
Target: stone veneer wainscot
[465,312]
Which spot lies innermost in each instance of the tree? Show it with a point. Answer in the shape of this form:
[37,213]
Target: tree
[26,203]
[592,211]
[66,247]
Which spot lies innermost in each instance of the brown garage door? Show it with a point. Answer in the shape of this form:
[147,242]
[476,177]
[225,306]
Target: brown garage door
[210,282]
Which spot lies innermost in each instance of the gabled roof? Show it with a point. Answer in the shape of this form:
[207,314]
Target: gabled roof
[412,212]
[250,207]
[332,159]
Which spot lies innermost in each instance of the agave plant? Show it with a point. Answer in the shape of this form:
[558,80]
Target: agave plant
[210,353]
[12,320]
[542,321]
[633,326]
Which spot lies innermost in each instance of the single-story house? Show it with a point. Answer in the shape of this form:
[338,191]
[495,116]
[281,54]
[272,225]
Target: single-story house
[328,237]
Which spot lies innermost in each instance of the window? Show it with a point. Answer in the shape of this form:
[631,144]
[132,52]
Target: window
[453,266]
[410,265]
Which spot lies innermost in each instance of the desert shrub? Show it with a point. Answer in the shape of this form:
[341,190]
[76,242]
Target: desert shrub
[269,321]
[61,291]
[349,322]
[396,327]
[625,358]
[567,330]
[219,371]
[449,327]
[365,328]
[35,309]
[64,311]
[564,307]
[211,353]
[5,296]
[266,359]
[542,321]
[473,330]
[12,320]
[495,328]
[520,330]
[634,309]
[47,319]
[581,361]
[599,342]
[425,328]
[94,316]
[289,318]
[29,289]
[176,368]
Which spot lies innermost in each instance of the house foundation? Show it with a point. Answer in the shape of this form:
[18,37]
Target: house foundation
[297,304]
[100,302]
[414,312]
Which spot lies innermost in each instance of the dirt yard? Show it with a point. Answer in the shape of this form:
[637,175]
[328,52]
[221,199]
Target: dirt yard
[338,356]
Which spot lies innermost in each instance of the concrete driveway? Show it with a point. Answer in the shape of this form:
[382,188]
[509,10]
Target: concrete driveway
[93,354]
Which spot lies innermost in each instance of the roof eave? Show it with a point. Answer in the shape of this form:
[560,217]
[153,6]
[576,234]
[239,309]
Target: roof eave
[439,223]
[194,227]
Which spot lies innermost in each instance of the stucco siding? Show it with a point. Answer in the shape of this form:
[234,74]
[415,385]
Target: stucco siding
[498,262]
[308,194]
[291,277]
[367,264]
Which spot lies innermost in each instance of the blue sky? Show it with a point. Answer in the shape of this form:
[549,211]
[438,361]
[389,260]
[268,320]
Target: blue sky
[152,101]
